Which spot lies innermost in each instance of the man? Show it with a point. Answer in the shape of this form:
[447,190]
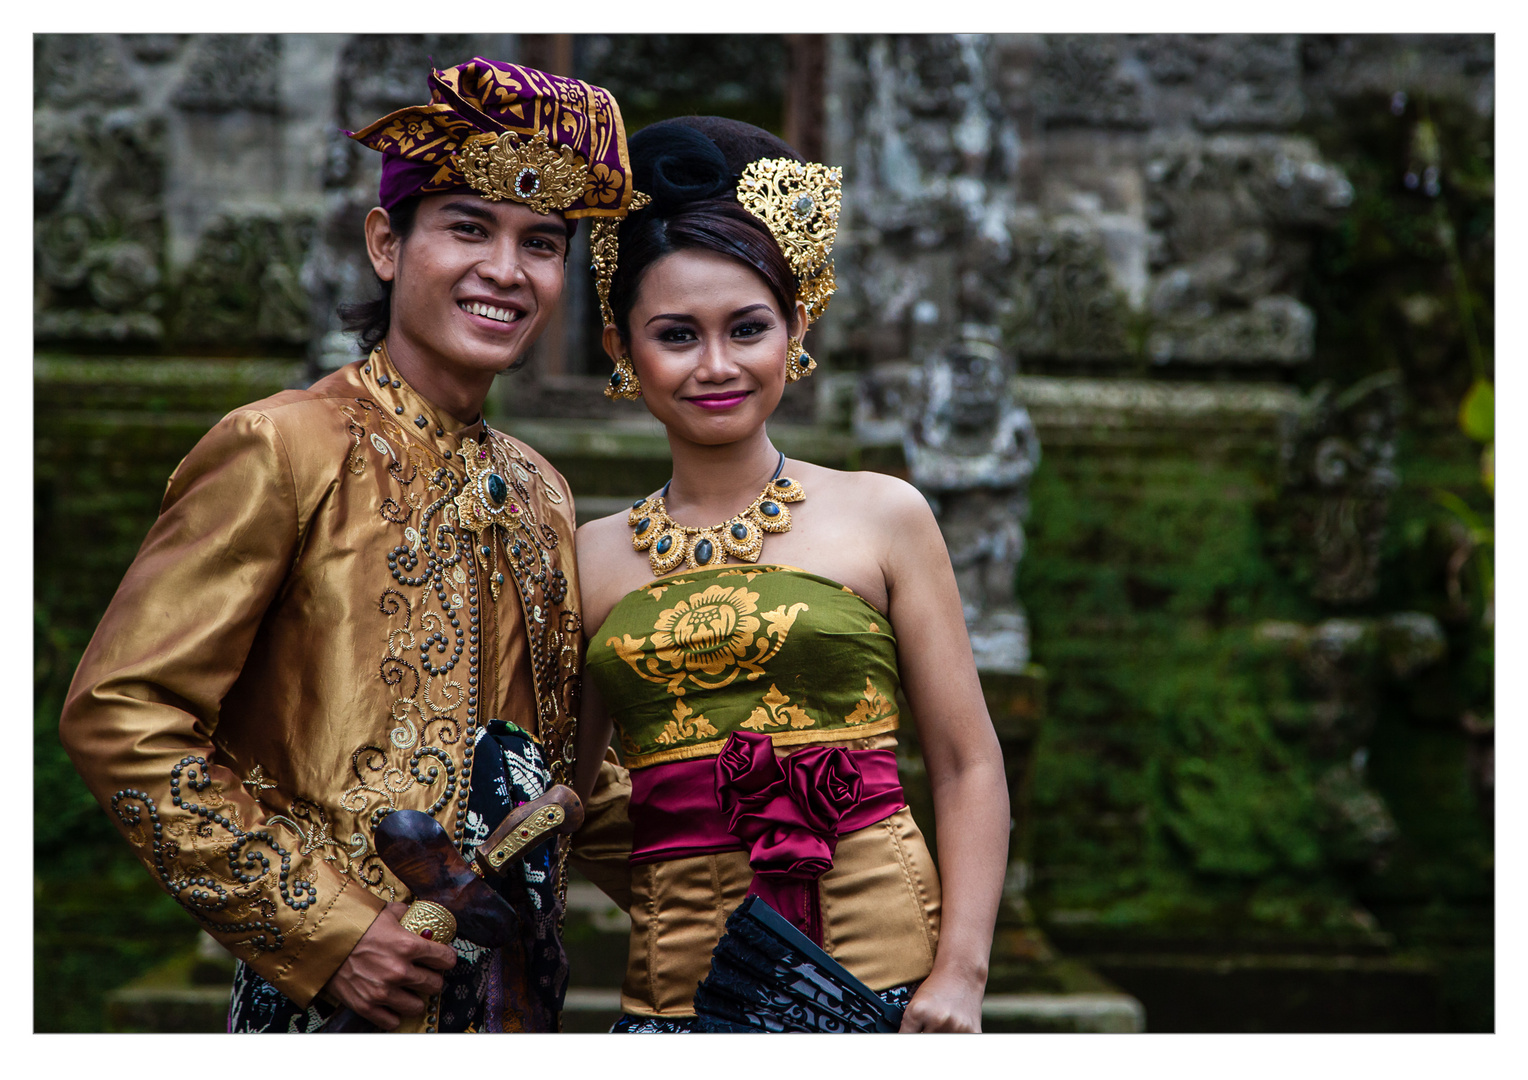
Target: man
[358,598]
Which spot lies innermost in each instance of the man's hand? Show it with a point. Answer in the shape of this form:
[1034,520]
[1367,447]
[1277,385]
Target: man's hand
[387,971]
[944,1003]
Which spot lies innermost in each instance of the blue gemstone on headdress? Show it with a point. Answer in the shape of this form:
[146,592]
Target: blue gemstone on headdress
[782,483]
[638,503]
[740,531]
[703,551]
[664,544]
[642,525]
[769,509]
[498,490]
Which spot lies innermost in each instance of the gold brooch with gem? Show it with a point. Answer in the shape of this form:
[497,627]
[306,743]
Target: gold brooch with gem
[526,171]
[741,536]
[487,500]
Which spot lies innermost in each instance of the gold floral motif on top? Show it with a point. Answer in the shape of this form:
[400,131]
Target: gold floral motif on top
[709,640]
[685,661]
[682,728]
[777,712]
[872,707]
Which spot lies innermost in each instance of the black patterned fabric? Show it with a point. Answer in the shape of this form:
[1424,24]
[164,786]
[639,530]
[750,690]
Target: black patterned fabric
[767,976]
[896,996]
[516,988]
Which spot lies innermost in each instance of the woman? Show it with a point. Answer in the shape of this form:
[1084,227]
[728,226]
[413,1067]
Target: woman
[751,669]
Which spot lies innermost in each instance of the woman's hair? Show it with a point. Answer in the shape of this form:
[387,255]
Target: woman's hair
[369,319]
[690,168]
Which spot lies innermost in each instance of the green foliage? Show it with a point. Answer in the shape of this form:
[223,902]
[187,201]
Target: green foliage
[1180,781]
[1166,788]
[1477,413]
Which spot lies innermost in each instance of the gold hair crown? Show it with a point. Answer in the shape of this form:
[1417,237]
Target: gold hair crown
[797,201]
[527,171]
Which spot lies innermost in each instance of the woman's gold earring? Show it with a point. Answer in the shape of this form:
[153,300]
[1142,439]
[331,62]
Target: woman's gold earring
[623,381]
[798,362]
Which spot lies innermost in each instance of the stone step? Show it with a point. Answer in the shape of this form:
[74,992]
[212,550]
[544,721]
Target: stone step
[595,1009]
[1063,1013]
[156,1006]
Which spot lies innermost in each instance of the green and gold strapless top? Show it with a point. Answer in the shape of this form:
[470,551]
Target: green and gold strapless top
[686,660]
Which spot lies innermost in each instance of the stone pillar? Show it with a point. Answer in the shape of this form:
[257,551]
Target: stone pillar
[971,450]
[933,178]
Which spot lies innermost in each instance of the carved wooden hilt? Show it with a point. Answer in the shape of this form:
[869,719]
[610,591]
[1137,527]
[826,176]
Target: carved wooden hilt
[450,896]
[557,812]
[420,855]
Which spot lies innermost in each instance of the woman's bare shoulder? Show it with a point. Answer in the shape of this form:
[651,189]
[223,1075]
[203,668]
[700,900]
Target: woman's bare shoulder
[600,531]
[596,540]
[870,494]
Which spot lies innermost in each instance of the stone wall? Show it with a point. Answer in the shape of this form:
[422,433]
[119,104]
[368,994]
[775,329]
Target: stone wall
[1105,200]
[1244,658]
[195,193]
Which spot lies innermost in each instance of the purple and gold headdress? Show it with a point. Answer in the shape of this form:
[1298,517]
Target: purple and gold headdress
[504,131]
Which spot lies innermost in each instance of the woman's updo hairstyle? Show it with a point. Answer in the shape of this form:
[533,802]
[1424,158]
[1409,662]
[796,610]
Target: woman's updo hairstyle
[690,167]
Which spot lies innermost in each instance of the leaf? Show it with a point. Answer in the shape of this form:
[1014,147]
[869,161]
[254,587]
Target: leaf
[1477,415]
[1459,508]
[1488,468]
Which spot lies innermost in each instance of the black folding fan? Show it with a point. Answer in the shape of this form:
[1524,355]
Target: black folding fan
[768,976]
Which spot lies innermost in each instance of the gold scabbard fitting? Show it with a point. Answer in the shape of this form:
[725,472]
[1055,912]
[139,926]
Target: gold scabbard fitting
[425,915]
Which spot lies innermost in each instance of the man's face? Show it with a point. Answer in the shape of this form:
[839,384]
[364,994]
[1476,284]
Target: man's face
[474,283]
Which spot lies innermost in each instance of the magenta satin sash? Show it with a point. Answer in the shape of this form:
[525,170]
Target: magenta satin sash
[787,813]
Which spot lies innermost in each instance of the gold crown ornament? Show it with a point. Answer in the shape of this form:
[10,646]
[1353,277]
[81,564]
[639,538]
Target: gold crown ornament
[526,171]
[798,201]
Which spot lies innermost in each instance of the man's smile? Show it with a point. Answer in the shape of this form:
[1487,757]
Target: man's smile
[487,311]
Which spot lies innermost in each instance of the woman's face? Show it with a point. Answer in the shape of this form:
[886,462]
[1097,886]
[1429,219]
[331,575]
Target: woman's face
[708,343]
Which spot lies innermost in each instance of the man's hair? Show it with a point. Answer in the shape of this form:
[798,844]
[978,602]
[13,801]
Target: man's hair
[369,320]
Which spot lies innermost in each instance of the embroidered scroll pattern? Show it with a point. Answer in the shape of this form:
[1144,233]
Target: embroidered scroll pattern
[433,641]
[553,633]
[231,900]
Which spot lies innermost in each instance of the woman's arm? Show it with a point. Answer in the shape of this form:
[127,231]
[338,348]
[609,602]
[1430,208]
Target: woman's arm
[594,728]
[961,752]
[594,731]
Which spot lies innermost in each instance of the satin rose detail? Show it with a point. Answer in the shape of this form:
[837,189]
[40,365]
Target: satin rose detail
[825,782]
[788,817]
[745,769]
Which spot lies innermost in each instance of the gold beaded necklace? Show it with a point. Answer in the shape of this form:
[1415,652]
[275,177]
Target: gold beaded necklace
[669,543]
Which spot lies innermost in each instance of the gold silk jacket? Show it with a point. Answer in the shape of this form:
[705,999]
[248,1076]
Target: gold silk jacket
[310,637]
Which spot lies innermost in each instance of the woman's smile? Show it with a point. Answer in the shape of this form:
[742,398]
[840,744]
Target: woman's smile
[716,402]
